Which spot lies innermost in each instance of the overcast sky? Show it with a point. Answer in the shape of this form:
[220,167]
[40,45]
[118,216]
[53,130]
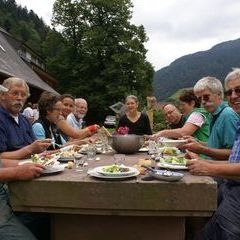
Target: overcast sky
[174,27]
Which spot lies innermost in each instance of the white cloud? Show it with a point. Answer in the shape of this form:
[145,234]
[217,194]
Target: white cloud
[174,27]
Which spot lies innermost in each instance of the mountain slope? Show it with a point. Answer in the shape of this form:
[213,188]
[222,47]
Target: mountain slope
[187,70]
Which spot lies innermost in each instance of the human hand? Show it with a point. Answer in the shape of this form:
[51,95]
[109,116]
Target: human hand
[28,171]
[39,146]
[193,146]
[93,129]
[191,155]
[200,167]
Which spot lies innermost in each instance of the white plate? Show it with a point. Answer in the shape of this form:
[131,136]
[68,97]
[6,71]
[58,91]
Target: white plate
[67,148]
[94,173]
[166,175]
[101,171]
[54,169]
[143,149]
[172,166]
[172,142]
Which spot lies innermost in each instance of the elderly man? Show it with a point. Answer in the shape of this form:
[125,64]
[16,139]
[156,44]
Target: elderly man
[10,227]
[17,140]
[225,223]
[223,125]
[173,116]
[75,119]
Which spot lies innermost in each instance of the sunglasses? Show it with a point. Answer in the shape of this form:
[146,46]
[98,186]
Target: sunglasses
[204,98]
[230,91]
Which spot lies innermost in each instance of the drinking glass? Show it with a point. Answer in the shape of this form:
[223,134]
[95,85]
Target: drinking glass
[91,152]
[79,162]
[119,158]
[152,147]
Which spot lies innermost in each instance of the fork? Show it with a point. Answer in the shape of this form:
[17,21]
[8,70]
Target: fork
[55,144]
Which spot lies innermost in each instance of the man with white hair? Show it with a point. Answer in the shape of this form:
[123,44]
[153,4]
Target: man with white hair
[17,140]
[10,227]
[75,119]
[225,223]
[224,119]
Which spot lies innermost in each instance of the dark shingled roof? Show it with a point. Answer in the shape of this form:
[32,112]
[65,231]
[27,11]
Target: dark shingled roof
[11,64]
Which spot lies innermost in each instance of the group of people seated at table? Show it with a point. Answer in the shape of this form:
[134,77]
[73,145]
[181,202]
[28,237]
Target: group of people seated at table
[210,125]
[212,129]
[19,139]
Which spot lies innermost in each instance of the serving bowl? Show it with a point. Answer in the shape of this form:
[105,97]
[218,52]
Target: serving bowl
[129,143]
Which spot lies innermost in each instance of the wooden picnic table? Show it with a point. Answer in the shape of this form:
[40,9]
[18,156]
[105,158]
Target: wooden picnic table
[87,208]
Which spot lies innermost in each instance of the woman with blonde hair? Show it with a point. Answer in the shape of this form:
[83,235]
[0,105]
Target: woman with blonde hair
[137,122]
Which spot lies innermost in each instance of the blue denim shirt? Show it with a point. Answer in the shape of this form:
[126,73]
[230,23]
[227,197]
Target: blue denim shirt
[13,135]
[223,127]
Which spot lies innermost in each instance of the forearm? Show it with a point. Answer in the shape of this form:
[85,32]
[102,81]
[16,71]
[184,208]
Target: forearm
[172,133]
[9,162]
[22,153]
[71,132]
[221,154]
[8,174]
[226,170]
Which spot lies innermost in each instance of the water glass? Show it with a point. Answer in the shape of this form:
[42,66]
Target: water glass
[91,152]
[119,158]
[152,147]
[79,162]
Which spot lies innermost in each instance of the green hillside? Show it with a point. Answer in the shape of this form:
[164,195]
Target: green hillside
[187,70]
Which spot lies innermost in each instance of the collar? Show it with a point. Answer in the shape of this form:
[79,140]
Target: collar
[220,108]
[7,114]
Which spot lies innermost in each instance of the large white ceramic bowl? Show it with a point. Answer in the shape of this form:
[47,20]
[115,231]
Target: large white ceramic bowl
[129,143]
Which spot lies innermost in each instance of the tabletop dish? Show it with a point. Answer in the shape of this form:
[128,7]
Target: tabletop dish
[116,170]
[127,144]
[173,162]
[95,173]
[165,175]
[143,149]
[53,170]
[172,142]
[169,150]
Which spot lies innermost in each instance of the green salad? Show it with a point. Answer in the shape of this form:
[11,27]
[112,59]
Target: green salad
[175,160]
[41,160]
[115,169]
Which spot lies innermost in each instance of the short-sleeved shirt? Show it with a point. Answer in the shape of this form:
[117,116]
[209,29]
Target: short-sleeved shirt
[13,135]
[196,119]
[78,124]
[140,127]
[223,127]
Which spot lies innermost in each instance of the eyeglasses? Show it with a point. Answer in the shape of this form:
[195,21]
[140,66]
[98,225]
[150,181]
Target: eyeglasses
[230,91]
[17,94]
[204,98]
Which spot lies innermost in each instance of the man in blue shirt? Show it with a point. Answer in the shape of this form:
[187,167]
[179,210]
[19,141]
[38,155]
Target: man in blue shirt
[10,227]
[224,119]
[225,223]
[17,140]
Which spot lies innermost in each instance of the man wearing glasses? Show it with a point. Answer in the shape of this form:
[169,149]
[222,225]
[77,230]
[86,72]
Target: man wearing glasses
[17,140]
[224,119]
[225,223]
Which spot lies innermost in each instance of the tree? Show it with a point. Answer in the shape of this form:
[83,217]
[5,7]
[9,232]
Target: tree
[106,53]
